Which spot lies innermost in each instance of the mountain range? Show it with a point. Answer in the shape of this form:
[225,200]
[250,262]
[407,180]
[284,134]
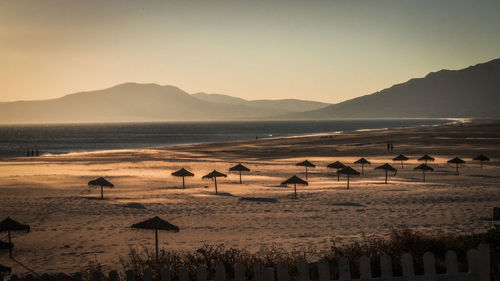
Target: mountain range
[469,92]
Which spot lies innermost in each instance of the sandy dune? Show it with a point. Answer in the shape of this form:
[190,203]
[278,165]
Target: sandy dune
[71,226]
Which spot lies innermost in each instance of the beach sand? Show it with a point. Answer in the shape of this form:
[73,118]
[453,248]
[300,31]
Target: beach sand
[70,226]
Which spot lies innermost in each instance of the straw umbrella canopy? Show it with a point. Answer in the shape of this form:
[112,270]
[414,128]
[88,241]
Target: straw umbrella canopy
[481,158]
[101,182]
[9,225]
[401,158]
[306,164]
[239,168]
[348,171]
[424,168]
[156,223]
[426,158]
[362,161]
[183,173]
[214,175]
[336,165]
[294,180]
[457,161]
[387,168]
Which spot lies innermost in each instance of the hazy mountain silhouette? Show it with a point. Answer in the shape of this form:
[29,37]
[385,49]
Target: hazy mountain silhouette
[130,102]
[469,92]
[276,106]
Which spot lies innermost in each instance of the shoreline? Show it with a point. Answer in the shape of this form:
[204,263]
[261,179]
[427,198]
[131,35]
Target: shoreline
[48,154]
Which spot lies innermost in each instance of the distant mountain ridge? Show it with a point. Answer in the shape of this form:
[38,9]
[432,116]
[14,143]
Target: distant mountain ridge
[133,102]
[282,105]
[470,92]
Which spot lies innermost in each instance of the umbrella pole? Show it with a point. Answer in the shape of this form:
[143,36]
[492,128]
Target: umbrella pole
[215,185]
[240,177]
[183,186]
[338,175]
[362,168]
[295,191]
[306,172]
[386,176]
[102,193]
[401,164]
[457,168]
[423,171]
[10,245]
[481,163]
[156,239]
[347,181]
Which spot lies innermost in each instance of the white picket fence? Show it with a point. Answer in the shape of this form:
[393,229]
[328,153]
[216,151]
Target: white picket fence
[478,261]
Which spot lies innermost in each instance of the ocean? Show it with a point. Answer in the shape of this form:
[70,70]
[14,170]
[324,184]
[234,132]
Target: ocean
[16,140]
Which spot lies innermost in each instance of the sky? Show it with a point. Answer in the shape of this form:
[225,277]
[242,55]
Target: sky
[326,51]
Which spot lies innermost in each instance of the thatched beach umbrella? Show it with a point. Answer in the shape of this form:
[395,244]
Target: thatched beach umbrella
[101,182]
[294,180]
[348,171]
[9,225]
[306,164]
[426,158]
[214,175]
[183,173]
[363,162]
[401,158]
[336,165]
[387,168]
[157,224]
[424,168]
[481,158]
[239,168]
[457,161]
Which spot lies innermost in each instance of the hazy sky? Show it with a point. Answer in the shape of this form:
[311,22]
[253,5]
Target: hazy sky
[319,50]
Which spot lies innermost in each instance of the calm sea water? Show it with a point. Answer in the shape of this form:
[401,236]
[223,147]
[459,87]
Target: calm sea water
[15,140]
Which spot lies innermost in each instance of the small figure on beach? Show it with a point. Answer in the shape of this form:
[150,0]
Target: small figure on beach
[388,147]
[392,147]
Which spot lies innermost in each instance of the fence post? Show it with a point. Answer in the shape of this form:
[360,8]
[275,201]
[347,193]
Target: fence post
[323,270]
[473,262]
[239,272]
[164,274]
[303,268]
[77,276]
[451,264]
[96,276]
[283,271]
[61,276]
[344,270]
[484,262]
[257,271]
[430,267]
[130,275]
[386,267]
[113,276]
[268,274]
[201,273]
[365,272]
[183,274]
[220,272]
[407,266]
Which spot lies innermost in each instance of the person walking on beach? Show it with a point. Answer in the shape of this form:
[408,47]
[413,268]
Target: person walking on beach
[392,147]
[388,147]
